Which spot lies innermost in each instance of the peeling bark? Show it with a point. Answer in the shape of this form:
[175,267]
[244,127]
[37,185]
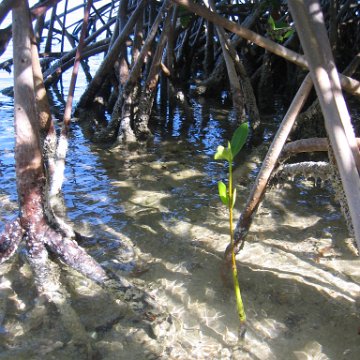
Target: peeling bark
[126,133]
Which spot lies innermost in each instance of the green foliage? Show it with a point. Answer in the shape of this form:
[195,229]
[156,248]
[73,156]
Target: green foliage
[271,22]
[228,154]
[185,16]
[223,153]
[239,139]
[279,30]
[223,193]
[233,198]
[237,142]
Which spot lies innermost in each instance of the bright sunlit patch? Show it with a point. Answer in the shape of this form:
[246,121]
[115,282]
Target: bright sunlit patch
[269,328]
[323,79]
[311,351]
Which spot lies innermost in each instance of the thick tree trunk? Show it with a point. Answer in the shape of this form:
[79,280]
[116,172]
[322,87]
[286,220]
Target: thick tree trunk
[28,156]
[126,133]
[40,234]
[30,174]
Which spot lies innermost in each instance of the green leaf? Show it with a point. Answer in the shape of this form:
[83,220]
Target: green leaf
[279,25]
[219,153]
[185,16]
[289,33]
[271,22]
[239,138]
[223,154]
[223,193]
[233,199]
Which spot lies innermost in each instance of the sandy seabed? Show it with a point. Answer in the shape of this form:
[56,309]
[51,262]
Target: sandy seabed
[299,271]
[299,275]
[300,282]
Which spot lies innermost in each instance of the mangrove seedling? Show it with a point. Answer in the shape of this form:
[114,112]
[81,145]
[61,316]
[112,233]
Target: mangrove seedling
[228,197]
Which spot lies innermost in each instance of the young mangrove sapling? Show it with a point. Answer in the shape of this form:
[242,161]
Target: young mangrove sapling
[228,197]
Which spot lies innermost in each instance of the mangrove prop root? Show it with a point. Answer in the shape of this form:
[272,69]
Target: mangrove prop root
[10,239]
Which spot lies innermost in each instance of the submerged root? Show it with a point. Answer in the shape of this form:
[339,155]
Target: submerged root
[155,319]
[308,169]
[96,127]
[47,280]
[43,238]
[132,313]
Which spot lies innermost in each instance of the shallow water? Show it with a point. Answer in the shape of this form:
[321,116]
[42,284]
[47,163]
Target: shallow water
[153,214]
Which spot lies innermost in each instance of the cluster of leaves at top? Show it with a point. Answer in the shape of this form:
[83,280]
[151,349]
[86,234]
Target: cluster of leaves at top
[234,146]
[279,30]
